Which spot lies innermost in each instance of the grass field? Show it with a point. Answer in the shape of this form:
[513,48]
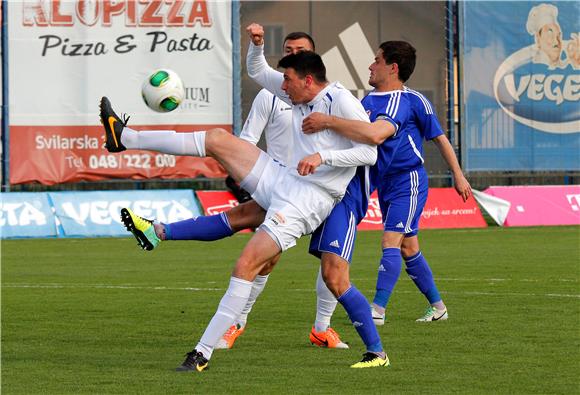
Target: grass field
[100,316]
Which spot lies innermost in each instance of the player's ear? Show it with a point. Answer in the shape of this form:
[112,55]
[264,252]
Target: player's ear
[308,80]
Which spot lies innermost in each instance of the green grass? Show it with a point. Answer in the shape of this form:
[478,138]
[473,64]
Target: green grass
[100,316]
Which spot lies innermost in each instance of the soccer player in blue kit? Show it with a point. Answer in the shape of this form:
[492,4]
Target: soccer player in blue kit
[398,175]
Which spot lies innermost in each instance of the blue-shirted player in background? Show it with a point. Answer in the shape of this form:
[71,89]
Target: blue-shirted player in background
[399,174]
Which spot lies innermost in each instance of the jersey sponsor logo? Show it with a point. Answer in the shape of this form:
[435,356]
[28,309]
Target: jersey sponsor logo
[545,73]
[335,244]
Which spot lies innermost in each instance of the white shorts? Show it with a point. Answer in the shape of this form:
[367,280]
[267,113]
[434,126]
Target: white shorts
[294,207]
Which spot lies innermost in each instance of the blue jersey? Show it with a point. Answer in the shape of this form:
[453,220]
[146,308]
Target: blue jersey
[414,120]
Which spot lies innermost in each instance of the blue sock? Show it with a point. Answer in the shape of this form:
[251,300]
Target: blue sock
[359,312]
[389,271]
[203,228]
[419,271]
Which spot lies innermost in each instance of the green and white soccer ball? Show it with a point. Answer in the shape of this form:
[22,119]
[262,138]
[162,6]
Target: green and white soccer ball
[163,90]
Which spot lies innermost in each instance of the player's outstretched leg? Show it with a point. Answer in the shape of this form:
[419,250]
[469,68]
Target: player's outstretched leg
[142,229]
[194,362]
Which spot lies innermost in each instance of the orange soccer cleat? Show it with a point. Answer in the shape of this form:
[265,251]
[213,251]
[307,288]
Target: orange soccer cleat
[327,339]
[228,339]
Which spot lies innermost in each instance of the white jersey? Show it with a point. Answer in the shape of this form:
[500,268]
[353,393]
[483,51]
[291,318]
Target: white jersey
[271,116]
[340,155]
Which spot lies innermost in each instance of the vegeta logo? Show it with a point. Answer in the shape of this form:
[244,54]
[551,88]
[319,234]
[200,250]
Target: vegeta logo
[539,85]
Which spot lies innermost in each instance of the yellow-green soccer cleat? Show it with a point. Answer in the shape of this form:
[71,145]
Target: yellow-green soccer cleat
[142,229]
[371,360]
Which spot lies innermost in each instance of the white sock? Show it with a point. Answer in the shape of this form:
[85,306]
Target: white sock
[165,141]
[257,288]
[325,305]
[229,308]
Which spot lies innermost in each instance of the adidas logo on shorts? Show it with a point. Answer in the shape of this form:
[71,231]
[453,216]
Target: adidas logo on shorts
[335,244]
[399,225]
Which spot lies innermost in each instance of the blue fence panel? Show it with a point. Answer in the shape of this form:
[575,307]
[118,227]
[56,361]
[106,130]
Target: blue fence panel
[97,213]
[521,85]
[26,214]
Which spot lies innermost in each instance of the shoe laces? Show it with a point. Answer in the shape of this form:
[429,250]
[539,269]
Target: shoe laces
[429,312]
[125,119]
[331,333]
[142,222]
[369,356]
[232,329]
[193,357]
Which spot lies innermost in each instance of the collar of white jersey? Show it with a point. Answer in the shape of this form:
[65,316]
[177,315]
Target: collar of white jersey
[324,92]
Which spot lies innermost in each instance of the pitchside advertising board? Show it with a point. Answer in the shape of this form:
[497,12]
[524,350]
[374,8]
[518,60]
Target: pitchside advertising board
[521,85]
[444,209]
[65,55]
[88,214]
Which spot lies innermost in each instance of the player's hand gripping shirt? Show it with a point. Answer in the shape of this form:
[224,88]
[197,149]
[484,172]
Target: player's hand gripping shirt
[273,117]
[340,155]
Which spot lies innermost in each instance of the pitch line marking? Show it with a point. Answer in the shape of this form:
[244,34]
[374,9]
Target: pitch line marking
[198,289]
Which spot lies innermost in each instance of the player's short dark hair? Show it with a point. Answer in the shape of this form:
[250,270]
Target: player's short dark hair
[298,36]
[304,63]
[403,54]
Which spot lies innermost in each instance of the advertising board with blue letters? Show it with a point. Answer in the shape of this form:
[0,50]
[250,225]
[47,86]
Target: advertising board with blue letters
[26,214]
[521,85]
[89,214]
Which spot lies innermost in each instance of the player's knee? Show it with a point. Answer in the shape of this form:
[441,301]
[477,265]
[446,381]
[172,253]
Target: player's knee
[216,138]
[247,268]
[269,266]
[335,275]
[408,251]
[246,215]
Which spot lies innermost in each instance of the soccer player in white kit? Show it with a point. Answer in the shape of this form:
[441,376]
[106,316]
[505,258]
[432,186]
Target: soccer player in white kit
[297,199]
[270,117]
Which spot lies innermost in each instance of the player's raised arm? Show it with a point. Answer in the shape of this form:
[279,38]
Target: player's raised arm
[258,69]
[361,131]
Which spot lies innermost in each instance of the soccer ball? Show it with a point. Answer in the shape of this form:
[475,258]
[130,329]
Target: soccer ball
[163,90]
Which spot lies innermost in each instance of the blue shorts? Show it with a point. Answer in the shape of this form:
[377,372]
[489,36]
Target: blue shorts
[338,232]
[402,197]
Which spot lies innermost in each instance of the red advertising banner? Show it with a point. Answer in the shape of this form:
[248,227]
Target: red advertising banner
[215,202]
[60,154]
[540,205]
[444,209]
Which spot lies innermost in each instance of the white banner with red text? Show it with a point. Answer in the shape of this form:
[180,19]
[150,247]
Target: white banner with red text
[65,55]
